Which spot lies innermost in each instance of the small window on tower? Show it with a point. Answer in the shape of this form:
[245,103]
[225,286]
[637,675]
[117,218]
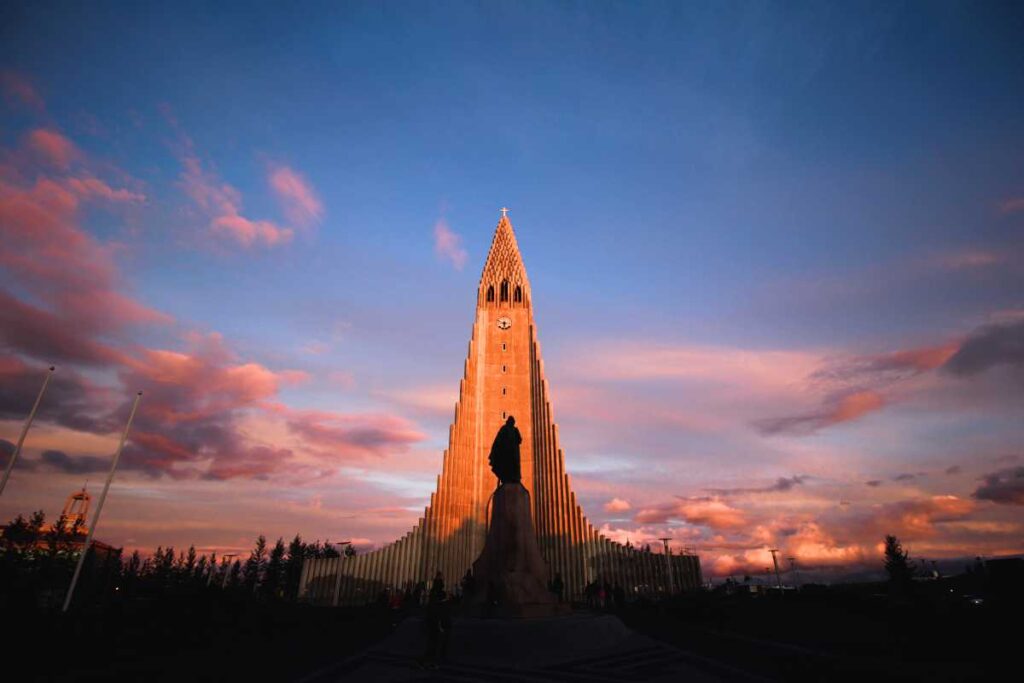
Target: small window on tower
[503,391]
[502,346]
[490,293]
[503,415]
[518,296]
[503,368]
[504,290]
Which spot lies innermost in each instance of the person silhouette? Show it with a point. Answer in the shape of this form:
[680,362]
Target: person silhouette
[504,456]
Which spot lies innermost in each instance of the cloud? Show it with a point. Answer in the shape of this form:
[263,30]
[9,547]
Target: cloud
[340,436]
[617,505]
[953,469]
[755,371]
[917,518]
[301,204]
[874,483]
[987,347]
[18,89]
[258,462]
[47,336]
[71,301]
[839,409]
[887,367]
[1011,205]
[1004,486]
[781,484]
[222,203]
[448,244]
[52,147]
[80,464]
[969,259]
[710,512]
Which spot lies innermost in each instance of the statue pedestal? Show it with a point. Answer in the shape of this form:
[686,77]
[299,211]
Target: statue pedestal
[511,571]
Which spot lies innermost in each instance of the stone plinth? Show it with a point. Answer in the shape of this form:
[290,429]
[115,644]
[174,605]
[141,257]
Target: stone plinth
[511,570]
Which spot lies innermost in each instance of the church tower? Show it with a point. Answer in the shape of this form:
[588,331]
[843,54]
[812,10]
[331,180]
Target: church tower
[503,375]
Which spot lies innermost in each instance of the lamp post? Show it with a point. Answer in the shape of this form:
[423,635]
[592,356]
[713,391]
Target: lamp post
[337,580]
[775,561]
[24,430]
[99,505]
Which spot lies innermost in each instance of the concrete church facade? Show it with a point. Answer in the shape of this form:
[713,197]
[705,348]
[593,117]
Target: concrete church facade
[503,375]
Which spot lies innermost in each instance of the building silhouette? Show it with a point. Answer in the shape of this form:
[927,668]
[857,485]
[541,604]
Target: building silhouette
[503,375]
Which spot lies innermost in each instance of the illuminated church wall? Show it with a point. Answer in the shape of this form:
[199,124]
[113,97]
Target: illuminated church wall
[503,375]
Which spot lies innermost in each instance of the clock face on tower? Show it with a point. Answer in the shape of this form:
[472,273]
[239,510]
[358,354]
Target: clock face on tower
[504,323]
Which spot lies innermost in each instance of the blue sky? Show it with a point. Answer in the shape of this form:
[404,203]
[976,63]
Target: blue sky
[829,182]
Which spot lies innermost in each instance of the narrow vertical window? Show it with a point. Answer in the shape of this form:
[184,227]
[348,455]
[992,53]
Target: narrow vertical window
[503,391]
[504,290]
[490,294]
[503,368]
[518,296]
[502,346]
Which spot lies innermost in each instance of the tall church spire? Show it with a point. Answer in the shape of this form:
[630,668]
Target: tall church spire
[503,376]
[503,281]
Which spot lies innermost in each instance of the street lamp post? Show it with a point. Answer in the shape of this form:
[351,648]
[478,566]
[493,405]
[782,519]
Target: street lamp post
[775,561]
[24,431]
[99,505]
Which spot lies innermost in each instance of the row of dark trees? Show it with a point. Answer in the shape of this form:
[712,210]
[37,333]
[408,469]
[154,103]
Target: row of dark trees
[36,561]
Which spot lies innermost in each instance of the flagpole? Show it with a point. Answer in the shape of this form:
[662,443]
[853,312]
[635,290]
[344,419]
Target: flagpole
[24,431]
[99,505]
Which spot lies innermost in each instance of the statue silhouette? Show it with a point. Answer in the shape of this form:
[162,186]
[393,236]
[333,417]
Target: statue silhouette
[504,458]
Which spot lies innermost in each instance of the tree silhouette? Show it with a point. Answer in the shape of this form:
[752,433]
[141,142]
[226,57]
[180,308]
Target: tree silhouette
[55,537]
[235,574]
[273,579]
[255,565]
[190,561]
[293,567]
[897,562]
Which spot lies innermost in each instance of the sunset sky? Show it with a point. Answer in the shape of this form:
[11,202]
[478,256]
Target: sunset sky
[776,254]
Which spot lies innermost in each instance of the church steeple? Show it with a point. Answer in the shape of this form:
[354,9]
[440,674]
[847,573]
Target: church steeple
[503,282]
[502,376]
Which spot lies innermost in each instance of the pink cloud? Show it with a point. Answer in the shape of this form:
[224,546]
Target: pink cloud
[448,244]
[918,518]
[301,204]
[248,233]
[72,276]
[968,259]
[843,408]
[52,147]
[339,435]
[710,512]
[94,188]
[223,204]
[617,505]
[437,399]
[1012,205]
[17,88]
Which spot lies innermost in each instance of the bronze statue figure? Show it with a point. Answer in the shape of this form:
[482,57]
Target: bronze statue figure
[504,458]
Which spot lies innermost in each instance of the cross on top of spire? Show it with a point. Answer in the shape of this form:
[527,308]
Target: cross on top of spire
[504,212]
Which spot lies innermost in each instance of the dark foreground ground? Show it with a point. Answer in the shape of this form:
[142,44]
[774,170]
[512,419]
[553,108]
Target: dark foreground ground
[841,637]
[800,637]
